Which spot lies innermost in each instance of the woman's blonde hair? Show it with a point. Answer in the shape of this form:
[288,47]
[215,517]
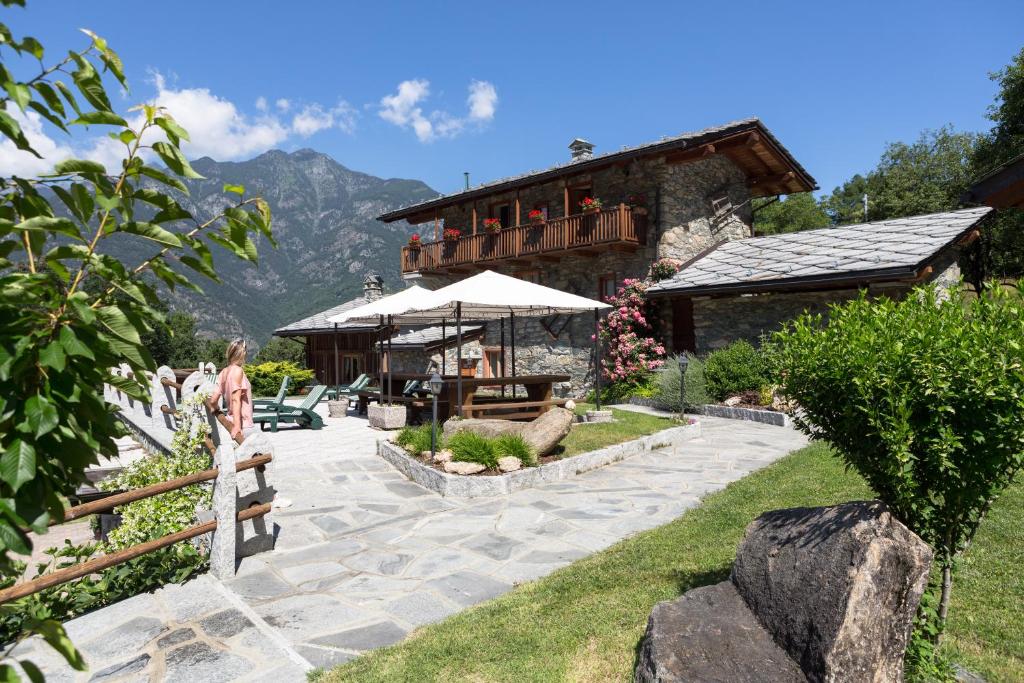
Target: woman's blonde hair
[236,351]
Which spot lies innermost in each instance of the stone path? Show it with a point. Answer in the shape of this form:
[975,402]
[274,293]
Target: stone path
[364,556]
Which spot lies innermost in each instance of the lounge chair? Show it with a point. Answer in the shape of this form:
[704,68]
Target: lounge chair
[263,405]
[303,414]
[349,389]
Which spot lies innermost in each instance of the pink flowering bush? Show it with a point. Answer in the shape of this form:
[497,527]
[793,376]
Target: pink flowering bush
[627,337]
[664,268]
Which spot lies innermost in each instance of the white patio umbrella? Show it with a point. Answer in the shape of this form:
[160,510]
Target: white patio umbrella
[376,312]
[490,296]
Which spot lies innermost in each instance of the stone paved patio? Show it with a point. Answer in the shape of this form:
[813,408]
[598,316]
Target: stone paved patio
[364,556]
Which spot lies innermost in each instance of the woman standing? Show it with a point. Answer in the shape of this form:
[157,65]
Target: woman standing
[234,387]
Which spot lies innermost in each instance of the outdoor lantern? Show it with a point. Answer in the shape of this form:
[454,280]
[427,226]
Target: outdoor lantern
[684,360]
[436,384]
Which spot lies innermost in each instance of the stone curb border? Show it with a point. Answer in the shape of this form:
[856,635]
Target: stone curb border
[482,487]
[768,417]
[149,442]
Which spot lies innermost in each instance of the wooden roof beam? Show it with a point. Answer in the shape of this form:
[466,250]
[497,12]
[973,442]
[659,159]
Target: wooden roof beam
[768,180]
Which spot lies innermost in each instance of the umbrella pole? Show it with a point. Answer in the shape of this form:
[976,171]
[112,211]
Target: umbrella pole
[597,358]
[502,360]
[337,378]
[444,346]
[512,327]
[380,362]
[390,334]
[458,355]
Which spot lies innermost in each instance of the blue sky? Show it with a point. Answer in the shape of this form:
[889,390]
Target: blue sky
[499,89]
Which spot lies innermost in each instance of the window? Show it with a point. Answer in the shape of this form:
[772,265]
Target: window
[492,362]
[533,276]
[351,366]
[577,195]
[503,212]
[607,285]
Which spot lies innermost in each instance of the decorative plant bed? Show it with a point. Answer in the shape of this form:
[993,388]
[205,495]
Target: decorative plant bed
[768,417]
[550,470]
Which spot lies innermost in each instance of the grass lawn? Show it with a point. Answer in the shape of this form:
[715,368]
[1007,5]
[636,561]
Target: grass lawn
[584,622]
[628,425]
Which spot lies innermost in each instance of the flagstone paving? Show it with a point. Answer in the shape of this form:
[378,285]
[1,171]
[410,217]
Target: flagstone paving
[364,556]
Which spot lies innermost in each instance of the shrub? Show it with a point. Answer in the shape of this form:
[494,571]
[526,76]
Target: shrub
[470,447]
[696,385]
[516,446]
[737,368]
[416,439]
[924,397]
[266,377]
[628,336]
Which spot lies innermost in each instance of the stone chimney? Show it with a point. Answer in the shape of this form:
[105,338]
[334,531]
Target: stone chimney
[373,287]
[581,149]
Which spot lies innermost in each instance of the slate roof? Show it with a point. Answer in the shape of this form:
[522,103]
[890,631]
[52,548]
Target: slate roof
[880,250]
[684,140]
[317,322]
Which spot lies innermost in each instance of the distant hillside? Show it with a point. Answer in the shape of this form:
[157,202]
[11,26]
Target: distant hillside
[327,240]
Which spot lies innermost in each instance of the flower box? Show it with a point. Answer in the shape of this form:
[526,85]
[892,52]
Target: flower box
[492,225]
[590,205]
[452,234]
[536,217]
[415,242]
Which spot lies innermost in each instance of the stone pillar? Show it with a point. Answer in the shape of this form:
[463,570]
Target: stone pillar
[252,488]
[222,545]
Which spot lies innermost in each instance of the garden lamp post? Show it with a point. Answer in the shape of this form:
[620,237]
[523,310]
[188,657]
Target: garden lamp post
[436,384]
[684,360]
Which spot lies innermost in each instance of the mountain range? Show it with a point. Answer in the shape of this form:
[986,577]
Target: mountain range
[328,240]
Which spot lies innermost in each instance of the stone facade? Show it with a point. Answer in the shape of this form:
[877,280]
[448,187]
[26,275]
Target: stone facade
[681,224]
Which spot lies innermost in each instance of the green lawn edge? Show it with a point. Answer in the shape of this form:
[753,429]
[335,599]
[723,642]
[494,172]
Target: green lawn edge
[584,621]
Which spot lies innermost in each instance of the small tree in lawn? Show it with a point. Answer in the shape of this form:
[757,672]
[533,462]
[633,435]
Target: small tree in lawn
[925,398]
[70,310]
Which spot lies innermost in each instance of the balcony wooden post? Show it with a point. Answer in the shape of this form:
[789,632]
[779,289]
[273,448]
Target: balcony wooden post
[517,223]
[622,221]
[565,197]
[437,228]
[474,218]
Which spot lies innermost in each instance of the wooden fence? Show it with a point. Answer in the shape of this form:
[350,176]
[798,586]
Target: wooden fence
[238,525]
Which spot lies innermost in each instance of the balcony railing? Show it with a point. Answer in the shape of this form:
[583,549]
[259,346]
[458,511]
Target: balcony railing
[619,225]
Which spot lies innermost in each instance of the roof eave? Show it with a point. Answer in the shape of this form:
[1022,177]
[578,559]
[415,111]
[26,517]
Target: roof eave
[852,278]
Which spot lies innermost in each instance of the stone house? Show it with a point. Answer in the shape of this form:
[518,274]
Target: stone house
[675,198]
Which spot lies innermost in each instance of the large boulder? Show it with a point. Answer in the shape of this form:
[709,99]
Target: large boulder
[834,589]
[710,634]
[542,434]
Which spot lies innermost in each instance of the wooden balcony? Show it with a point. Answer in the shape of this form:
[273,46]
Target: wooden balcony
[615,228]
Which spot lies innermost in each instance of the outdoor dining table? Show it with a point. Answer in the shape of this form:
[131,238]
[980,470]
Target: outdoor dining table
[539,392]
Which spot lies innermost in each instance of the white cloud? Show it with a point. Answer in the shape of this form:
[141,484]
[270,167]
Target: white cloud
[403,109]
[217,128]
[215,125]
[482,100]
[17,162]
[313,118]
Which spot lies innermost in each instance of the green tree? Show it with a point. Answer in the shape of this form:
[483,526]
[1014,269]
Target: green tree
[1000,252]
[59,339]
[926,176]
[282,349]
[790,214]
[177,343]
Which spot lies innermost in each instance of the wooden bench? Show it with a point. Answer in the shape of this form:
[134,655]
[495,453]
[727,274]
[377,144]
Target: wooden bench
[473,410]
